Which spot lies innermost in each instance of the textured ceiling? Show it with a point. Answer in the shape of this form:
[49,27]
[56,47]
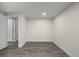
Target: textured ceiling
[34,9]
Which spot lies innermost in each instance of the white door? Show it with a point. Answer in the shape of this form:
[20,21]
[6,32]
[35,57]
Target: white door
[3,32]
[12,29]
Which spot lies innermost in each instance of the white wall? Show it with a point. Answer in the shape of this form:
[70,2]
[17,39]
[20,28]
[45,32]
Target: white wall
[39,30]
[34,30]
[3,31]
[67,30]
[22,31]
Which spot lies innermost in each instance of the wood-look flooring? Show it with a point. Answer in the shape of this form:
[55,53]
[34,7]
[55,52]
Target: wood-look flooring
[33,49]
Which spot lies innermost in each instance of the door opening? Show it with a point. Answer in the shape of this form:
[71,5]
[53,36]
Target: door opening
[12,32]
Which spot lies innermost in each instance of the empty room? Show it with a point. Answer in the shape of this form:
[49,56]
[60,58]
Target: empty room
[39,29]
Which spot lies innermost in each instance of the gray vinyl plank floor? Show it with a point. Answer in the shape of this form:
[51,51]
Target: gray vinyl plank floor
[33,49]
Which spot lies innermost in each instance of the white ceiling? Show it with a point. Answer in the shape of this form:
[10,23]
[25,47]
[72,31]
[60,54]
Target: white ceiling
[34,9]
